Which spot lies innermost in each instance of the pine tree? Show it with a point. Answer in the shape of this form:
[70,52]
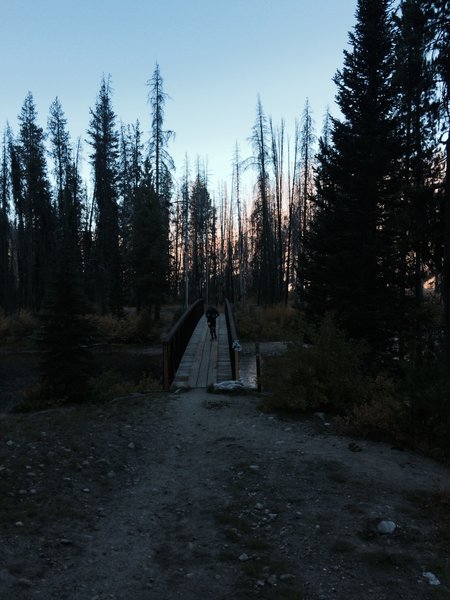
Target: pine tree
[59,149]
[200,213]
[7,287]
[147,245]
[439,25]
[417,112]
[33,209]
[356,254]
[67,363]
[161,161]
[306,152]
[130,179]
[105,277]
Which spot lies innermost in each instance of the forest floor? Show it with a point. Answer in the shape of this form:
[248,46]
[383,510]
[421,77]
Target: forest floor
[196,495]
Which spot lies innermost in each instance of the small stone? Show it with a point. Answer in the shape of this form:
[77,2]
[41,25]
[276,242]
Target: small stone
[272,580]
[131,445]
[66,542]
[286,577]
[19,524]
[10,443]
[111,474]
[431,578]
[259,506]
[86,490]
[386,527]
[243,557]
[254,467]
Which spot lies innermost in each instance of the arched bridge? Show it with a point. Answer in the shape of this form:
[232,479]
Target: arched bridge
[192,359]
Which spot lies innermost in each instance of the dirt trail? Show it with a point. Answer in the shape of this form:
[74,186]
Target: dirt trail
[196,495]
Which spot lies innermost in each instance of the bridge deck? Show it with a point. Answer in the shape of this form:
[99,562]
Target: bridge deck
[205,361]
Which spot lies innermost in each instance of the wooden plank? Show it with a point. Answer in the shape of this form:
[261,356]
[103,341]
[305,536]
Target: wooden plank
[212,371]
[205,361]
[197,359]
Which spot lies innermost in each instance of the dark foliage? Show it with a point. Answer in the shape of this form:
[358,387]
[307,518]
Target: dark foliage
[66,334]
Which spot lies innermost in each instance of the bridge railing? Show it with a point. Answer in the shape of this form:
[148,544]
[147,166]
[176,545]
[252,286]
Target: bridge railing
[176,341]
[234,346]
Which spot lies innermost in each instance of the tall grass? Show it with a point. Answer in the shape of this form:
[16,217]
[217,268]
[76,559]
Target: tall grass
[17,326]
[275,324]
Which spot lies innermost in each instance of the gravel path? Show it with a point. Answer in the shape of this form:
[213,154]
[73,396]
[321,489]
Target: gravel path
[197,495]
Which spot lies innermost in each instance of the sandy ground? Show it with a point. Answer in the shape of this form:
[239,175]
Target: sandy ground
[196,495]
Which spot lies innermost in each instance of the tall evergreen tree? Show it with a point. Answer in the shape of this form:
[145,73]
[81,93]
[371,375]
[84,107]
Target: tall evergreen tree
[33,209]
[161,161]
[200,215]
[130,178]
[306,152]
[6,271]
[439,24]
[67,363]
[147,246]
[59,148]
[356,251]
[417,113]
[105,260]
[68,184]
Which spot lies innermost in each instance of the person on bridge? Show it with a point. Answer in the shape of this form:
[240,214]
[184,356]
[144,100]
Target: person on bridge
[211,316]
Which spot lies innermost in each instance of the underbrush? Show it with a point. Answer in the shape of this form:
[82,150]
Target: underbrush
[69,363]
[324,374]
[15,327]
[277,323]
[110,385]
[135,328]
[102,388]
[330,374]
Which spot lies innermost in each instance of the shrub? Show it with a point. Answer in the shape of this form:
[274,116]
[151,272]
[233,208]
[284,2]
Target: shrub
[326,374]
[134,328]
[381,417]
[17,326]
[276,323]
[43,395]
[111,384]
[425,389]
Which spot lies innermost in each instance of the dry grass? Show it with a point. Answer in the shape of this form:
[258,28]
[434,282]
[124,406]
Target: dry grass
[277,323]
[16,327]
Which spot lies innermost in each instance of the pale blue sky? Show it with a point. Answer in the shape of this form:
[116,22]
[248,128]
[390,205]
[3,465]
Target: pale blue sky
[215,58]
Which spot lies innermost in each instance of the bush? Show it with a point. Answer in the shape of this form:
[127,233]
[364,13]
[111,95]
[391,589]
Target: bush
[327,374]
[277,323]
[111,384]
[425,389]
[381,417]
[41,396]
[17,326]
[134,328]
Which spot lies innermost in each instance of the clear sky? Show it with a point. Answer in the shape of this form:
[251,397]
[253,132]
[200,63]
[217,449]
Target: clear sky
[215,58]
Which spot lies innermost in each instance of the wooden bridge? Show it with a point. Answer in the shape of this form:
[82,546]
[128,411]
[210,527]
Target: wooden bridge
[192,359]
